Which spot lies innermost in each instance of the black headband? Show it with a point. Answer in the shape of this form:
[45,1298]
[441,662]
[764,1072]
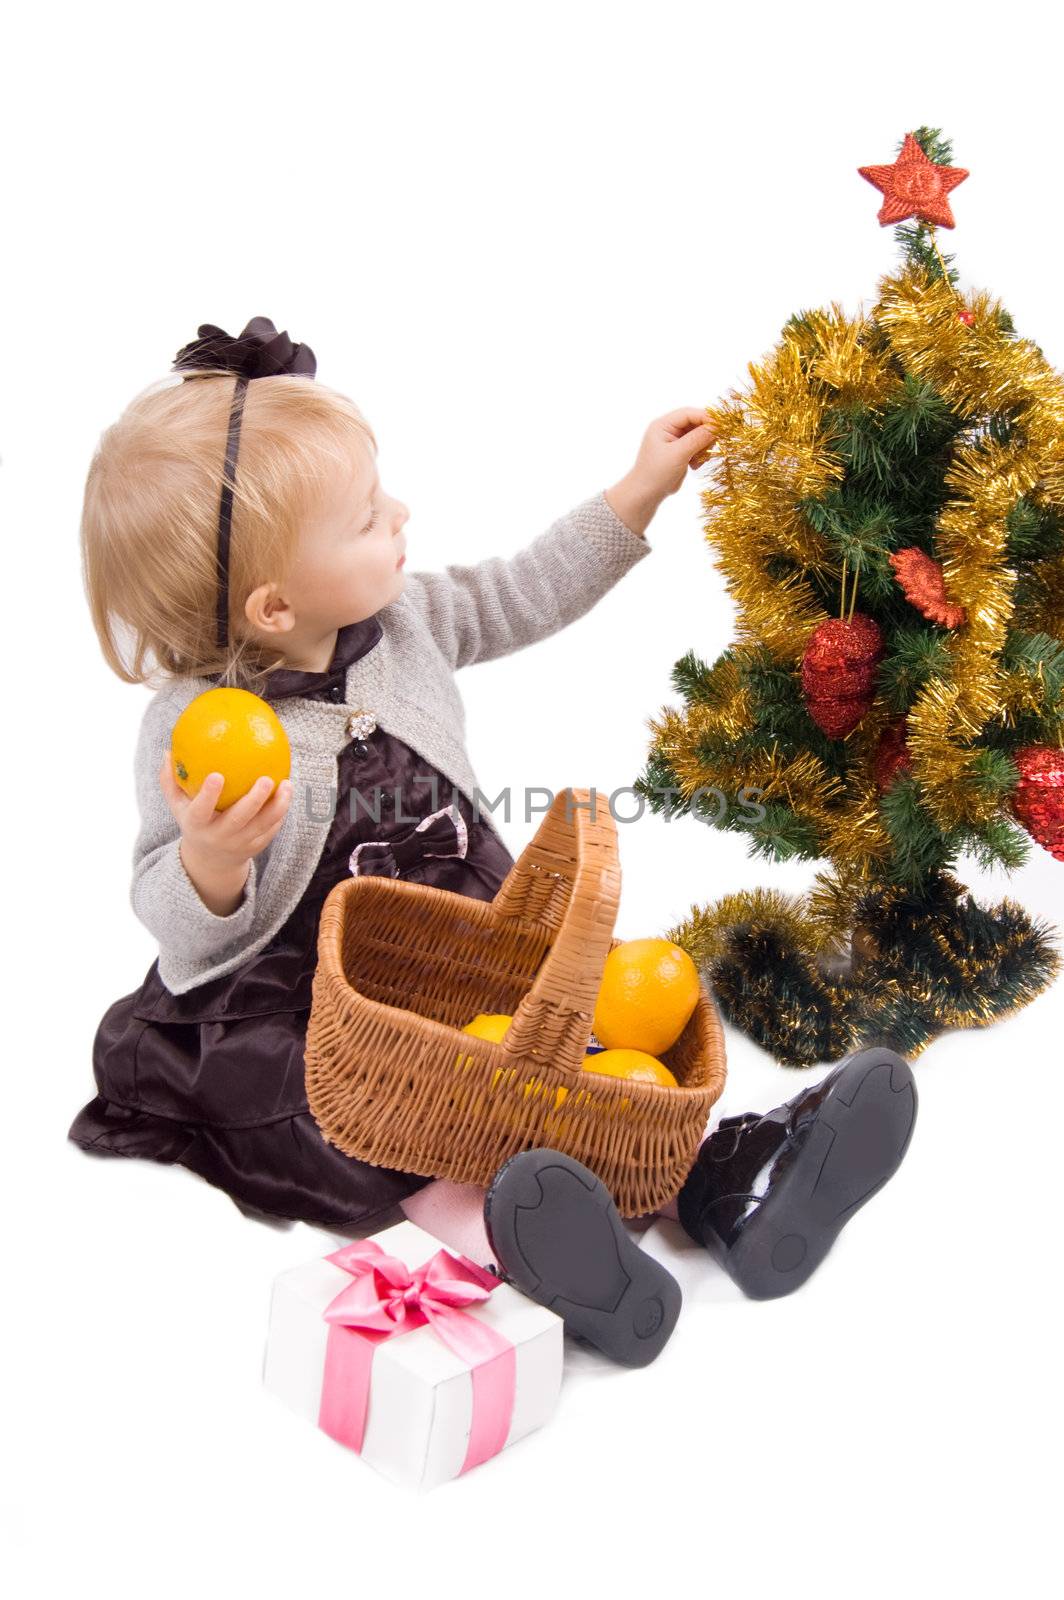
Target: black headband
[258,352]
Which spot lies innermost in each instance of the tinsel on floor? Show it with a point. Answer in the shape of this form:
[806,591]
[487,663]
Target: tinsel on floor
[907,966]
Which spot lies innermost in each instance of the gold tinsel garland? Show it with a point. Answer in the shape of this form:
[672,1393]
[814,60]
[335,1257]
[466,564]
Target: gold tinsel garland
[770,454]
[704,932]
[977,368]
[802,782]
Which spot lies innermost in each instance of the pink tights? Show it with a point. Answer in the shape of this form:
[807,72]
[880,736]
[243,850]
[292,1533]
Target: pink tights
[454,1214]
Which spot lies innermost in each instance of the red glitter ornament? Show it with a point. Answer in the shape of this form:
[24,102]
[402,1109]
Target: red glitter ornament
[1038,801]
[892,759]
[967,317]
[924,586]
[914,186]
[839,672]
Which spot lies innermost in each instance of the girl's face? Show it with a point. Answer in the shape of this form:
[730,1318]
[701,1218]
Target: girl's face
[349,563]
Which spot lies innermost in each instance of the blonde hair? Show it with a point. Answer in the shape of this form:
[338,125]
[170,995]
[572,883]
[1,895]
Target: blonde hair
[149,527]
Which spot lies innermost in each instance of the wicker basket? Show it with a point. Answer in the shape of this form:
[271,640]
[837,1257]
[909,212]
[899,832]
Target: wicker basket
[392,1079]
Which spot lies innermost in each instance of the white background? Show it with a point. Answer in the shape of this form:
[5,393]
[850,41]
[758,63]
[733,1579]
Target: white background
[515,235]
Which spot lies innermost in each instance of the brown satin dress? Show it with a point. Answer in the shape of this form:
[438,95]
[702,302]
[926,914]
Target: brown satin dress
[214,1078]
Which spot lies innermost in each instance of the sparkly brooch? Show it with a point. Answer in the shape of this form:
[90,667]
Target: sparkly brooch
[361,725]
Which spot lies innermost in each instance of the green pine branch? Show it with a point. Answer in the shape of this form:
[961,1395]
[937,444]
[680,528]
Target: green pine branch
[914,655]
[917,420]
[918,845]
[998,844]
[694,679]
[780,835]
[1035,532]
[659,787]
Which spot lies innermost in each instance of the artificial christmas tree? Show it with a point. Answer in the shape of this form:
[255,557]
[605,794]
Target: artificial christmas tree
[887,507]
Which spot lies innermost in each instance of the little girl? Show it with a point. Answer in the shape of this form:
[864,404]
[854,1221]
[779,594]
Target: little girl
[236,531]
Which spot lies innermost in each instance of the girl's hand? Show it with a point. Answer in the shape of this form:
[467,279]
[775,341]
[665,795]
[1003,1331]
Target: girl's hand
[218,845]
[674,444]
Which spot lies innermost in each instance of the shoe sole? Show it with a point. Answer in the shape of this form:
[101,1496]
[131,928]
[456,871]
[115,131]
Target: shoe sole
[855,1145]
[558,1237]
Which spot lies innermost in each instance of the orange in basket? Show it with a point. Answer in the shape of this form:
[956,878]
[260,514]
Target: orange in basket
[393,1080]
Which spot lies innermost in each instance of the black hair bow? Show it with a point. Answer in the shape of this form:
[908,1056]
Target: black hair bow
[258,352]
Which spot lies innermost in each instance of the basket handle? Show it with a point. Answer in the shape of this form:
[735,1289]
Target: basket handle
[578,841]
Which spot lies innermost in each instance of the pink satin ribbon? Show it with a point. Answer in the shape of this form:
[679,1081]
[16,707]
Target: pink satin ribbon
[386,1298]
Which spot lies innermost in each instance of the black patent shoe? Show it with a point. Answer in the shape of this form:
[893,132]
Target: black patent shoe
[768,1195]
[557,1237]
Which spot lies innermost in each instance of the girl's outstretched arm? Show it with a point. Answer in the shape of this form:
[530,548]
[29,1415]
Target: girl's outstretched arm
[496,606]
[478,612]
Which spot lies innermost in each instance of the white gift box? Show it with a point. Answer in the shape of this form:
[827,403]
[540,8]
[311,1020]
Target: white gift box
[421,1394]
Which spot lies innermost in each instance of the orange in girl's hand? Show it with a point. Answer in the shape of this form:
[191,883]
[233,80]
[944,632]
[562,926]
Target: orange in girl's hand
[233,732]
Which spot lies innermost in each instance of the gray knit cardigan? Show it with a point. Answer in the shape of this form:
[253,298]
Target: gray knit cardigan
[441,621]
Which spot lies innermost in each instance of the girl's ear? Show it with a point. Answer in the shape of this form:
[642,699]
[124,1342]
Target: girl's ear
[268,611]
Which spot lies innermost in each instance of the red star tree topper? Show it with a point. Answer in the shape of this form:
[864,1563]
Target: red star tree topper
[914,187]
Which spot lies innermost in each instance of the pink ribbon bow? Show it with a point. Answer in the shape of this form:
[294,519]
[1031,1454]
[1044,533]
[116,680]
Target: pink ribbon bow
[386,1298]
[444,833]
